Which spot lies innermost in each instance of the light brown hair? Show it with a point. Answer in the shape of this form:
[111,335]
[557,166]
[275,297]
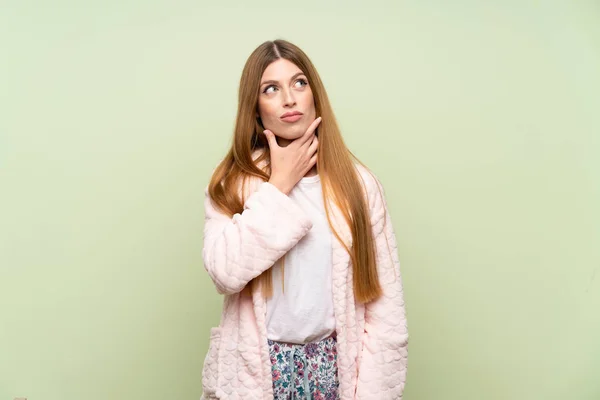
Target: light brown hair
[340,179]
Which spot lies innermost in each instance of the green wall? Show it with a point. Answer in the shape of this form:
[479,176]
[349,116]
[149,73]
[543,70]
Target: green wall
[480,118]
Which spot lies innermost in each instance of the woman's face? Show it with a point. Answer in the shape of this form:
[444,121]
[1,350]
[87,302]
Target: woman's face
[285,103]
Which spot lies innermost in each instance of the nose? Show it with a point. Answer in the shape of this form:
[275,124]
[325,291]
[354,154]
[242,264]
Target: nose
[288,98]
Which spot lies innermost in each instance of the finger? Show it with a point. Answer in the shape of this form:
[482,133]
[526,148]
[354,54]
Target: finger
[313,161]
[309,142]
[313,146]
[271,139]
[304,138]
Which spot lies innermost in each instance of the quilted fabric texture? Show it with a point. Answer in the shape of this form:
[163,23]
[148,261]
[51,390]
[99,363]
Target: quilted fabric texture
[372,339]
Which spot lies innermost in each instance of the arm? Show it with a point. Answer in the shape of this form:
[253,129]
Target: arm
[237,250]
[383,362]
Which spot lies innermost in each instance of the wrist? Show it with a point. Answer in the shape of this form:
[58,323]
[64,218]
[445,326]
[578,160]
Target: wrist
[285,189]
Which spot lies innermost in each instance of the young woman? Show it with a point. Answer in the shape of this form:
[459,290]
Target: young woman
[298,239]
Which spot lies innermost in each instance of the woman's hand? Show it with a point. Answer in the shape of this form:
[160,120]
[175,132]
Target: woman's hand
[289,164]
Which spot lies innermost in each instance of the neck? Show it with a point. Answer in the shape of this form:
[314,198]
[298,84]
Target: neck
[313,171]
[282,142]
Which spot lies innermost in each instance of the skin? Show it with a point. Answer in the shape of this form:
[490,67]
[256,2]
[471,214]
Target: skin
[293,145]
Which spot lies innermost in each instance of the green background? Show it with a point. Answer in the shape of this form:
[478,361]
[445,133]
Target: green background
[480,118]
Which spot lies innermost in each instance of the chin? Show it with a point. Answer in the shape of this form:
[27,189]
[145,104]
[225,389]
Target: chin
[292,133]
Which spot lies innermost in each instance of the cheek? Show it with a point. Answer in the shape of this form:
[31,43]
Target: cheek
[266,110]
[309,102]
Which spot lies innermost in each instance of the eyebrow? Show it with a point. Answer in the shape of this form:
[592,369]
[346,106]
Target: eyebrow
[276,82]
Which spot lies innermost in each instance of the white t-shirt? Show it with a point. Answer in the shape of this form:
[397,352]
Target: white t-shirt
[304,312]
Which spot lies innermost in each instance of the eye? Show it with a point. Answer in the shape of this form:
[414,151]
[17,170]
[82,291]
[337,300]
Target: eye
[266,90]
[303,81]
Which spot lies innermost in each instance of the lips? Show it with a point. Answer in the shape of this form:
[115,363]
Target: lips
[291,114]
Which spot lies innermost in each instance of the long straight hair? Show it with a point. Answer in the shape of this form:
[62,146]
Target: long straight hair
[339,177]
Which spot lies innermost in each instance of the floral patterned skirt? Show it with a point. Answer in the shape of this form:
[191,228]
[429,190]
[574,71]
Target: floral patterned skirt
[306,371]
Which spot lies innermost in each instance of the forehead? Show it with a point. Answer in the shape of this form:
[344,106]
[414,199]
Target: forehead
[280,69]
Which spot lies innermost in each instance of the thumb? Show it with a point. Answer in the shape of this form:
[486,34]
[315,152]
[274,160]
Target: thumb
[271,139]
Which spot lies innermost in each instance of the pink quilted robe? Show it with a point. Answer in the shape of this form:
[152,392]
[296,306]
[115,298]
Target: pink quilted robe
[372,339]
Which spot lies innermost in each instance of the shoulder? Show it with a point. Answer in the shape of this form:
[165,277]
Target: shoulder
[371,184]
[375,196]
[368,177]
